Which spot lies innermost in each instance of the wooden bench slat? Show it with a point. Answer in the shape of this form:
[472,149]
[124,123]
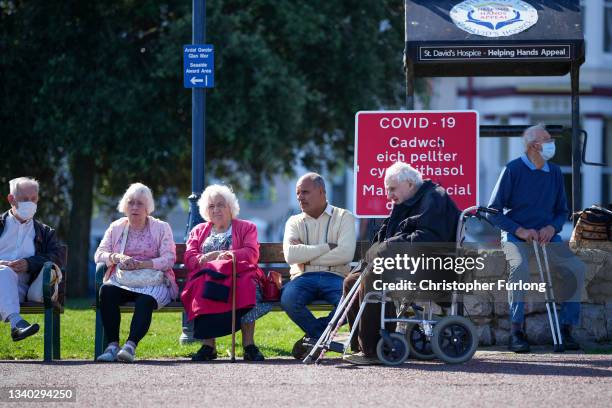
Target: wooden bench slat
[272,252]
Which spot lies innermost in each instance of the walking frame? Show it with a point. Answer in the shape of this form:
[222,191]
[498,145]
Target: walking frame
[397,353]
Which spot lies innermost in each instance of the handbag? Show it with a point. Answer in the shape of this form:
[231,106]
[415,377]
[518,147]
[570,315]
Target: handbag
[594,224]
[137,278]
[271,286]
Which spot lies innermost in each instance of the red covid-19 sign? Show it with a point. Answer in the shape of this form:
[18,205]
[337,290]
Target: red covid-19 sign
[442,145]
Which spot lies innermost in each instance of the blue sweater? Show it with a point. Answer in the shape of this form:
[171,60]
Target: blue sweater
[529,198]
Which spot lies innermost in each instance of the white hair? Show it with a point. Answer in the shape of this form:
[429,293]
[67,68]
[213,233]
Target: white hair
[16,184]
[137,190]
[400,171]
[218,190]
[530,134]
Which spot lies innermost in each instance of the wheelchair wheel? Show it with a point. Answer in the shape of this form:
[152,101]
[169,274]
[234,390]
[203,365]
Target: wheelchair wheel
[454,339]
[418,343]
[396,355]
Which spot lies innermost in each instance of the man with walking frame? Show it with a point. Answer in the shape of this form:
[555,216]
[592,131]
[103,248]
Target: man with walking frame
[422,213]
[530,198]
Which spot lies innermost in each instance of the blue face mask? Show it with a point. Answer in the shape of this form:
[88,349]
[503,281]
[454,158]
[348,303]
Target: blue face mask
[548,150]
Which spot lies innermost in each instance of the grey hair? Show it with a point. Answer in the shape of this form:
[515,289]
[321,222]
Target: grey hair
[137,190]
[218,190]
[16,184]
[401,171]
[316,178]
[530,134]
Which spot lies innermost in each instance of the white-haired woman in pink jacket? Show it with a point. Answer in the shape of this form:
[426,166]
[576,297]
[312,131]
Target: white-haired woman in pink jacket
[135,242]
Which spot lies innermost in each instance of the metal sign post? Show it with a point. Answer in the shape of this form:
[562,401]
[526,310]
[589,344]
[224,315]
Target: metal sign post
[198,137]
[198,118]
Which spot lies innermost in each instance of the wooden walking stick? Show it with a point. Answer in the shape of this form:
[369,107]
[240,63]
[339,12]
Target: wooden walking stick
[233,351]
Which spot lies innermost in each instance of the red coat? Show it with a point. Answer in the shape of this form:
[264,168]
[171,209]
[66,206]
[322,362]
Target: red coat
[246,250]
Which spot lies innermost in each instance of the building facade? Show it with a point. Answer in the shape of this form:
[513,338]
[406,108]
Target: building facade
[532,100]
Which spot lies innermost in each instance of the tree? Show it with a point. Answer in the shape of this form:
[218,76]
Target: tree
[95,88]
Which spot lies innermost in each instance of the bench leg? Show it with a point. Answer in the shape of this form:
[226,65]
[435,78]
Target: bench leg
[56,335]
[101,341]
[48,339]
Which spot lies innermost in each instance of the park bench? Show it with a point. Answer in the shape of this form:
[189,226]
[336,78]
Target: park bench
[50,309]
[270,258]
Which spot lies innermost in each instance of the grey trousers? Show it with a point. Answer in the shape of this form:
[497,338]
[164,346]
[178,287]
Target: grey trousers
[562,261]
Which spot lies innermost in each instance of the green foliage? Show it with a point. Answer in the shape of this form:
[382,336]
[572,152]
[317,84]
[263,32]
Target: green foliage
[104,79]
[290,77]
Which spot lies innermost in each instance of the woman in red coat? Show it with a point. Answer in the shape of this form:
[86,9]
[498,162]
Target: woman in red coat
[208,251]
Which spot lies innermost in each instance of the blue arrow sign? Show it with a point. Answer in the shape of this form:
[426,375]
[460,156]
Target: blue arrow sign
[198,66]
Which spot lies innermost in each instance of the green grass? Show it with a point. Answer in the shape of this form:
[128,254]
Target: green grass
[275,334]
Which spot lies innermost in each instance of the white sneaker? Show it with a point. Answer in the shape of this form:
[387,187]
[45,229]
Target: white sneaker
[109,355]
[127,354]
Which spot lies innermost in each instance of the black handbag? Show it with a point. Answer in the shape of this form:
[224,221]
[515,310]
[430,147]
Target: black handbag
[216,291]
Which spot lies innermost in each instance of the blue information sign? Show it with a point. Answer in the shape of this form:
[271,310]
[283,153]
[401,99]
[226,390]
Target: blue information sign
[198,66]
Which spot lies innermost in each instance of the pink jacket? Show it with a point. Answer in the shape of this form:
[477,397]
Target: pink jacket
[244,243]
[162,234]
[246,250]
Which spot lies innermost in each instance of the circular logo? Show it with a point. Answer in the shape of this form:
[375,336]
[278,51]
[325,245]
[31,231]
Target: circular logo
[499,18]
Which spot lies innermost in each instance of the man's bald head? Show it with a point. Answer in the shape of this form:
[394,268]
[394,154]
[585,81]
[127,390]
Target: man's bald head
[311,195]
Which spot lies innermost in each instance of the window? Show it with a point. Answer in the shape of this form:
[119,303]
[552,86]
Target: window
[583,15]
[608,26]
[607,171]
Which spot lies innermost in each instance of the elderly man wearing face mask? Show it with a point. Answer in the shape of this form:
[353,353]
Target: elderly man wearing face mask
[25,245]
[422,213]
[530,197]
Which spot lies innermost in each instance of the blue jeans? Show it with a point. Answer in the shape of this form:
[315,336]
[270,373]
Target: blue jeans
[304,289]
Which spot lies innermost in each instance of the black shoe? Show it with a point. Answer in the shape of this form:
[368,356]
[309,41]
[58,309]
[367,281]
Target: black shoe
[205,353]
[252,353]
[24,329]
[300,349]
[518,344]
[569,342]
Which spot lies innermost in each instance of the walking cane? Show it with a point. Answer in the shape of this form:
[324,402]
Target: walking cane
[233,350]
[549,295]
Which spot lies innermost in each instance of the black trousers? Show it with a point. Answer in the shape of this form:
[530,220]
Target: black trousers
[111,297]
[368,332]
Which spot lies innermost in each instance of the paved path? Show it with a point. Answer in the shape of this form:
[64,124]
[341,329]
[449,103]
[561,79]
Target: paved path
[490,379]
